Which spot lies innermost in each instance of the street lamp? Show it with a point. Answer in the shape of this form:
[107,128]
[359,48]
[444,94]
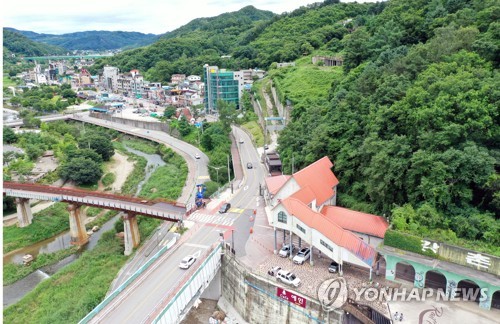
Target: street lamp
[216,169]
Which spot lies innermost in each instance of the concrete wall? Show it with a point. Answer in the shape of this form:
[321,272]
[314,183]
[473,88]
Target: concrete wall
[163,127]
[213,291]
[249,293]
[476,260]
[277,102]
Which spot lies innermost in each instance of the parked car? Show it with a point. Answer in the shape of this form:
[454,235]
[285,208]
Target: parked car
[274,271]
[286,251]
[224,208]
[187,262]
[288,278]
[249,165]
[302,256]
[334,267]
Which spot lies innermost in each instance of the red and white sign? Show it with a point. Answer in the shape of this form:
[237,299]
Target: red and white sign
[291,297]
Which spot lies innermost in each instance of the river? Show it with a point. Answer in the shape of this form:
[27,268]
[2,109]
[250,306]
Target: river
[13,293]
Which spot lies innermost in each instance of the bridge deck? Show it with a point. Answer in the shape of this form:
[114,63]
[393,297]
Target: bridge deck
[162,209]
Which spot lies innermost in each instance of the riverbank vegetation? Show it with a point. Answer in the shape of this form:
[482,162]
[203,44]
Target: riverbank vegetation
[73,291]
[46,223]
[138,173]
[13,272]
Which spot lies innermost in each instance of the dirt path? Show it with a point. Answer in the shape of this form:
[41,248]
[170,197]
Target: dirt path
[121,168]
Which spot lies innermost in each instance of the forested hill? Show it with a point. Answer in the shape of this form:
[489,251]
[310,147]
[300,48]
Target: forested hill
[188,48]
[92,40]
[411,120]
[15,43]
[414,120]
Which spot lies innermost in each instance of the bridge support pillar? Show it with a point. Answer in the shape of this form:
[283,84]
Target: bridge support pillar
[24,215]
[76,225]
[132,236]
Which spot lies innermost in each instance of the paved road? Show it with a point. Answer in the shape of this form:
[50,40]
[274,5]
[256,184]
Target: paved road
[19,122]
[141,297]
[139,300]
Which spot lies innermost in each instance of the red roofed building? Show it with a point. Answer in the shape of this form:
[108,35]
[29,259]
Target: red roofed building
[371,228]
[303,204]
[316,183]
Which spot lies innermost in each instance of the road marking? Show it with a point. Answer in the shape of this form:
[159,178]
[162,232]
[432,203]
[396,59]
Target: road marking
[237,210]
[136,130]
[196,245]
[203,177]
[211,219]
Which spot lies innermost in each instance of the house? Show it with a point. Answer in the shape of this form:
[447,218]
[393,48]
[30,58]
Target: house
[178,78]
[304,204]
[193,78]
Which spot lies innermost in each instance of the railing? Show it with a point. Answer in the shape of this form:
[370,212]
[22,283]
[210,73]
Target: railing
[173,306]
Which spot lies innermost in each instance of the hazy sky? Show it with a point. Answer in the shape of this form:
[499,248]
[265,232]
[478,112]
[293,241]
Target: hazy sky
[147,16]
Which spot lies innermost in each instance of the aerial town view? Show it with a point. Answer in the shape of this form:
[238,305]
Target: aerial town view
[251,162]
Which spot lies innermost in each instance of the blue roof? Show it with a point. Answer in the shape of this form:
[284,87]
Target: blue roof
[98,109]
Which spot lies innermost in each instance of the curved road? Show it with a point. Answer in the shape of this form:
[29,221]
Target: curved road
[138,301]
[197,168]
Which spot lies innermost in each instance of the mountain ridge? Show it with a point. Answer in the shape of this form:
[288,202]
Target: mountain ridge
[96,40]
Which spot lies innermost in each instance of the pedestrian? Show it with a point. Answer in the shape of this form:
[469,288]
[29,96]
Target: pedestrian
[396,316]
[320,254]
[401,317]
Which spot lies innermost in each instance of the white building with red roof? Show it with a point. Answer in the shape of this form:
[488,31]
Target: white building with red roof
[303,205]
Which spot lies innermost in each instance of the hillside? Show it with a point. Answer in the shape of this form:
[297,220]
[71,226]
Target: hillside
[188,48]
[15,43]
[413,124]
[92,40]
[411,119]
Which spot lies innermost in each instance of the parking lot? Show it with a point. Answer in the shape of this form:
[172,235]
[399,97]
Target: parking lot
[311,277]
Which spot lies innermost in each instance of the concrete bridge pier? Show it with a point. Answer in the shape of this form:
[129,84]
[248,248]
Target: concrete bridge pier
[76,225]
[24,215]
[132,236]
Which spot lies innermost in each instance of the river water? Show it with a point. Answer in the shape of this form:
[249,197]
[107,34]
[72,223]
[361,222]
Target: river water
[13,293]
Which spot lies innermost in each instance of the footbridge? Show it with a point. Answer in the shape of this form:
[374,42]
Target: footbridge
[76,198]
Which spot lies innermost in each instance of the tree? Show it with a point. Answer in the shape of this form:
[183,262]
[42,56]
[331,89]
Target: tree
[9,136]
[227,113]
[85,153]
[101,144]
[31,122]
[81,170]
[169,112]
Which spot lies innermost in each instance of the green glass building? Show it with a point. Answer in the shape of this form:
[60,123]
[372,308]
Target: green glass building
[221,84]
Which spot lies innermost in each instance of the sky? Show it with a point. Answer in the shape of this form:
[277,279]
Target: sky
[146,16]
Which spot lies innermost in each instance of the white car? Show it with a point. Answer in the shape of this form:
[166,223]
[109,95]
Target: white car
[241,140]
[302,256]
[187,262]
[197,156]
[288,278]
[286,251]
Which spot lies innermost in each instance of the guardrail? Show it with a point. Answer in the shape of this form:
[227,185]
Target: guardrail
[124,285]
[174,305]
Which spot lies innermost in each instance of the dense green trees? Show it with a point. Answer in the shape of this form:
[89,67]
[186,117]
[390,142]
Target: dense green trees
[9,136]
[81,170]
[415,120]
[99,143]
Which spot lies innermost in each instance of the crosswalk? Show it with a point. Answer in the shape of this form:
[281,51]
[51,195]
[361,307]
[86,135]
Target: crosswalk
[219,219]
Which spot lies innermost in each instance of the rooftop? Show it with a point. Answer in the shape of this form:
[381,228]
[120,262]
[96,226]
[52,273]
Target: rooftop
[356,221]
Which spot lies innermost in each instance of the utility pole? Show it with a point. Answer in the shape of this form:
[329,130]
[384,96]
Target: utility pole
[229,174]
[292,164]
